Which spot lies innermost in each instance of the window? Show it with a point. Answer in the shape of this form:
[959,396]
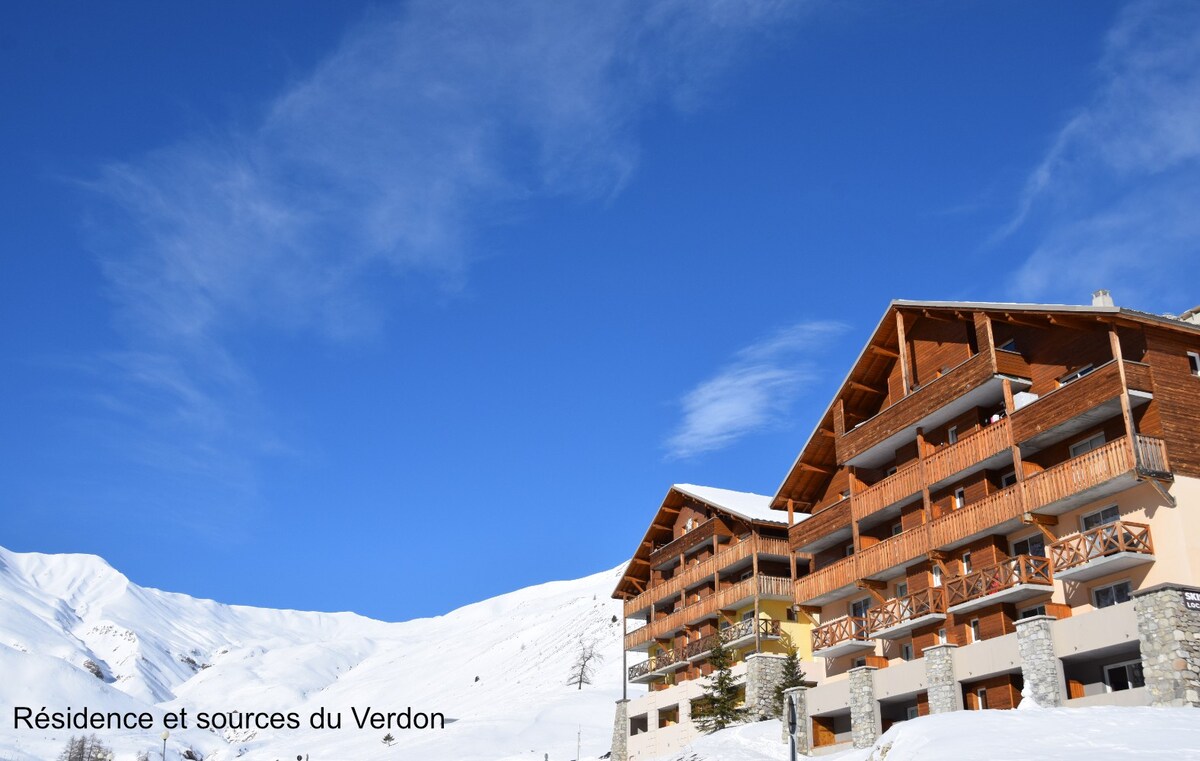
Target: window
[1108,515]
[689,525]
[859,608]
[902,589]
[952,435]
[941,636]
[849,550]
[1036,610]
[936,572]
[790,614]
[906,651]
[973,629]
[966,563]
[1087,445]
[1194,362]
[1008,479]
[1123,676]
[1076,375]
[748,615]
[1112,594]
[1009,345]
[897,529]
[960,498]
[746,574]
[911,712]
[890,471]
[1034,546]
[981,698]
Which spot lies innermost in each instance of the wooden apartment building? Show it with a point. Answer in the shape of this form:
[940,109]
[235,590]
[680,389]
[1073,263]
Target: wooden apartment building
[982,463]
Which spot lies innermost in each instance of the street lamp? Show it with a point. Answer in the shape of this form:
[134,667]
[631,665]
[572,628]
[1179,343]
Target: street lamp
[165,735]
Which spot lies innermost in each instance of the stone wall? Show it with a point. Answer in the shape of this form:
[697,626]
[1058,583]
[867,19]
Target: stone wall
[1170,640]
[796,698]
[943,690]
[620,741]
[1040,667]
[764,672]
[865,724]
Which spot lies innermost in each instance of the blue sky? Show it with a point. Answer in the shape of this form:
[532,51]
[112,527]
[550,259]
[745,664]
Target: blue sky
[392,307]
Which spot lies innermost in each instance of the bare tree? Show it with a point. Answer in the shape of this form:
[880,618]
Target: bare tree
[587,659]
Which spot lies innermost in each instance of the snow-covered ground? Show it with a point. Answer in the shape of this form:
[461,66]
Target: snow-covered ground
[497,669]
[1058,734]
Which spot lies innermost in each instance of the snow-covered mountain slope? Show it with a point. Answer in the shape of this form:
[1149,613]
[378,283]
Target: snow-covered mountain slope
[496,669]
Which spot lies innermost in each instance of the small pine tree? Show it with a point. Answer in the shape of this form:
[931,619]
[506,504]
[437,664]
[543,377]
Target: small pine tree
[793,676]
[718,708]
[388,740]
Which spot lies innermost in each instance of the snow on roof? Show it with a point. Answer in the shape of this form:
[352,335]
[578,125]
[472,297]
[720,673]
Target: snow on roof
[754,507]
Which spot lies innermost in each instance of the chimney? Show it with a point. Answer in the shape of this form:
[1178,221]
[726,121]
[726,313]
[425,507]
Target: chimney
[1102,298]
[1192,315]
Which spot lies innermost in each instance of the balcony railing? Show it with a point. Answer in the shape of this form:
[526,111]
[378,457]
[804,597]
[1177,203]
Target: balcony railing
[681,544]
[824,580]
[902,610]
[993,579]
[976,518]
[820,525]
[1102,541]
[707,568]
[839,631]
[726,598]
[1152,456]
[897,487]
[1078,474]
[893,552]
[967,452]
[766,629]
[910,409]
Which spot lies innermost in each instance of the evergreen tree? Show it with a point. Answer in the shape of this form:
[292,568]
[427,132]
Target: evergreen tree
[793,676]
[718,708]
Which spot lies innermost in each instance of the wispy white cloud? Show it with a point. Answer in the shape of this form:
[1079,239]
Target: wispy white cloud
[753,391]
[1112,203]
[430,121]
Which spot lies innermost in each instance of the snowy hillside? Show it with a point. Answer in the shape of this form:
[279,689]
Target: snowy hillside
[496,669]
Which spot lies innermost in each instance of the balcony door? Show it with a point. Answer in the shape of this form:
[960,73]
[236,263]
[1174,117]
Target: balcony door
[858,610]
[1034,546]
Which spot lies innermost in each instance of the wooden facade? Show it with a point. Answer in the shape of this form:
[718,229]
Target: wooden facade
[962,424]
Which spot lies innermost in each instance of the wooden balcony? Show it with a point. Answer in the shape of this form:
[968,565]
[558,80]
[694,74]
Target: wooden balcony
[706,569]
[733,636]
[822,529]
[656,666]
[1098,473]
[826,584]
[727,598]
[893,553]
[681,544]
[900,615]
[841,636]
[917,408]
[1080,404]
[895,488]
[1009,581]
[1100,551]
[995,512]
[971,452]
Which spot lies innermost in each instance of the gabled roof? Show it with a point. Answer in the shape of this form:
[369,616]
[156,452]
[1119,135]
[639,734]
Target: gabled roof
[746,506]
[818,457]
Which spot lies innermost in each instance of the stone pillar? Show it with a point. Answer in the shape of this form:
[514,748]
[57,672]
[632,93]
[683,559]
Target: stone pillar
[865,723]
[796,698]
[1170,638]
[1040,667]
[764,672]
[620,741]
[943,691]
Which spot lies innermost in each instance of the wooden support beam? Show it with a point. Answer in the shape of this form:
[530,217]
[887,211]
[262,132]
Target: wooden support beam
[1019,321]
[873,587]
[864,387]
[815,468]
[938,316]
[1063,321]
[905,370]
[883,351]
[1043,522]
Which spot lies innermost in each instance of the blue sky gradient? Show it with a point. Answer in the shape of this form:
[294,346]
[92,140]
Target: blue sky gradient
[392,307]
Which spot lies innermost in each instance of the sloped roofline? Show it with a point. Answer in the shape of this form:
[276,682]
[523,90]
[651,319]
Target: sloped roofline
[978,306]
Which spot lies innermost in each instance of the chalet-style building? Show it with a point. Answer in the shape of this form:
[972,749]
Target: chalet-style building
[1001,503]
[714,565]
[984,465]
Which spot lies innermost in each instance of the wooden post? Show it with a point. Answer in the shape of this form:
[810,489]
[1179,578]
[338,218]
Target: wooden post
[926,502]
[905,371]
[754,560]
[624,658]
[1126,409]
[983,335]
